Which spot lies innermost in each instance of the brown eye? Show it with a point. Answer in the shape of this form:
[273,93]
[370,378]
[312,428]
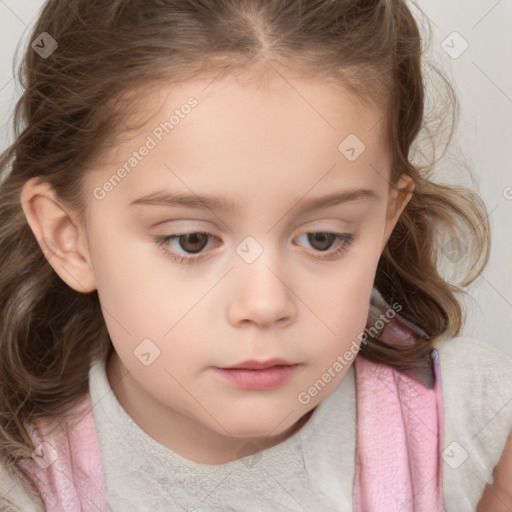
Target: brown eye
[193,242]
[326,245]
[321,240]
[185,247]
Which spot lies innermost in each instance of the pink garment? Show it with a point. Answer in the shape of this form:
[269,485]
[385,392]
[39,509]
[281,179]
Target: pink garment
[399,439]
[66,465]
[400,427]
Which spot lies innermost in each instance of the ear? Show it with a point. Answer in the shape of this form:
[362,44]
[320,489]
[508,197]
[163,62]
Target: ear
[60,237]
[399,195]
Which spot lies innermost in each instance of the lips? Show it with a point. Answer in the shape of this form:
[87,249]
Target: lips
[258,375]
[258,365]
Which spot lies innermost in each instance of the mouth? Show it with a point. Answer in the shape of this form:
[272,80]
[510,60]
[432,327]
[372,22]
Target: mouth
[254,375]
[253,364]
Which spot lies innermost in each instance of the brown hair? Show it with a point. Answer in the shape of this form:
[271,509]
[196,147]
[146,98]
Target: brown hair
[72,108]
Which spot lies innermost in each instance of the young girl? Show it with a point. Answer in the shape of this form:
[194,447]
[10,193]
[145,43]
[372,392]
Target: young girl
[220,269]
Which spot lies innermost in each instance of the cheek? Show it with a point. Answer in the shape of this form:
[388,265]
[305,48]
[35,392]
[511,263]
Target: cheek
[152,307]
[137,283]
[341,299]
[346,288]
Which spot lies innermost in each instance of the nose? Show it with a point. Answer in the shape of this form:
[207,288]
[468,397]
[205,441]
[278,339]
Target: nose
[261,295]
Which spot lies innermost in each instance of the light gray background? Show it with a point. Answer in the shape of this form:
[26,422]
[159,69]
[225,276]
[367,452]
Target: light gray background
[482,76]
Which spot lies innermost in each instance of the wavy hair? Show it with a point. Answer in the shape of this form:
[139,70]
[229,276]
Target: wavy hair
[74,105]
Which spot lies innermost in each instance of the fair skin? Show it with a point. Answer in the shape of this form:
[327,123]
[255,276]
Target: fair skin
[270,151]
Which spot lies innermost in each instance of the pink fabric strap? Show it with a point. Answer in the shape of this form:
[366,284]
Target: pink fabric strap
[66,464]
[400,436]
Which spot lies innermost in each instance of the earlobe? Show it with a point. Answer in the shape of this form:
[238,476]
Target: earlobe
[58,235]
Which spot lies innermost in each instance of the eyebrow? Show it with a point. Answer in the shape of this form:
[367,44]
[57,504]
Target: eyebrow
[219,203]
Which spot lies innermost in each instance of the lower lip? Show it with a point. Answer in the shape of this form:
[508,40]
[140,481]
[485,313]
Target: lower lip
[268,378]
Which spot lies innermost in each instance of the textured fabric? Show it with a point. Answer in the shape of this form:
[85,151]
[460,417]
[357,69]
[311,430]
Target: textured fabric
[400,424]
[66,465]
[399,441]
[309,468]
[477,394]
[477,384]
[399,435]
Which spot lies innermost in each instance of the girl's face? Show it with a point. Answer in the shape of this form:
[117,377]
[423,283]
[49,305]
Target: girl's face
[242,187]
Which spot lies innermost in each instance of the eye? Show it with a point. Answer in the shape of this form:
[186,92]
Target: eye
[191,243]
[182,247]
[321,241]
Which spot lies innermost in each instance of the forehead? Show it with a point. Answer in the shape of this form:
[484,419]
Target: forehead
[230,130]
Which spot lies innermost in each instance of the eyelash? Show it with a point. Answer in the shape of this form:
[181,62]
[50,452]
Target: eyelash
[163,241]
